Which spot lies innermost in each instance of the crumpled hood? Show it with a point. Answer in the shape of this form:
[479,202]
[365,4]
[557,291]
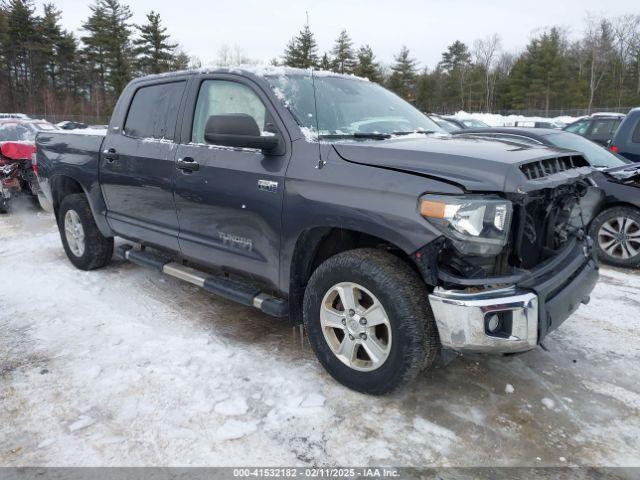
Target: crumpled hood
[627,174]
[473,163]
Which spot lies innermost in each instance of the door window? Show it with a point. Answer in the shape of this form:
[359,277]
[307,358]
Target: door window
[154,111]
[219,97]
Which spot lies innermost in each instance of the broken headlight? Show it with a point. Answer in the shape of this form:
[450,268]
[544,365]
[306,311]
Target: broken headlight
[476,225]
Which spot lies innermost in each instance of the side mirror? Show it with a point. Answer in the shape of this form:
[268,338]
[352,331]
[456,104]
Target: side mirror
[238,130]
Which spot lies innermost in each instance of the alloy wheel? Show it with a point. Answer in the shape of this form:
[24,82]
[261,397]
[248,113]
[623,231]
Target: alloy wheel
[74,233]
[619,238]
[355,326]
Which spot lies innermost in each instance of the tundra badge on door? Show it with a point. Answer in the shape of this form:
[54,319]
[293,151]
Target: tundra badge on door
[268,185]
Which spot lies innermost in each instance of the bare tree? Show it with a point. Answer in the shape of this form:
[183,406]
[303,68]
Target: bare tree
[598,49]
[625,32]
[486,52]
[231,56]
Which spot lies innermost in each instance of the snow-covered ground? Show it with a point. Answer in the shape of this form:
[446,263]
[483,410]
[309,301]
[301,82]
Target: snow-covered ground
[124,366]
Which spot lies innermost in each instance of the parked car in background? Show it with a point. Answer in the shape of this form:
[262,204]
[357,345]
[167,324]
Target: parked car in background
[71,125]
[13,115]
[537,124]
[18,174]
[626,141]
[616,228]
[599,127]
[446,125]
[465,122]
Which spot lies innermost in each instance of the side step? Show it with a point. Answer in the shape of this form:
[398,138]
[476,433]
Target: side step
[234,290]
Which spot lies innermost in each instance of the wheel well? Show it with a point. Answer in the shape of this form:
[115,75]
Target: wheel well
[62,186]
[317,245]
[611,205]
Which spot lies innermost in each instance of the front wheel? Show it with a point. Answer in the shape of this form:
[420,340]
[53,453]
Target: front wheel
[369,321]
[83,243]
[616,232]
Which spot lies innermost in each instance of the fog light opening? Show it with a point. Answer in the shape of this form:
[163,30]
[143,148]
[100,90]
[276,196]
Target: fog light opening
[498,324]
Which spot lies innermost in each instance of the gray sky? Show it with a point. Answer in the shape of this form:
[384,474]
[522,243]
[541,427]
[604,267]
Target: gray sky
[262,28]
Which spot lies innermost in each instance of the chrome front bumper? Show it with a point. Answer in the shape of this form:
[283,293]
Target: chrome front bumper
[462,319]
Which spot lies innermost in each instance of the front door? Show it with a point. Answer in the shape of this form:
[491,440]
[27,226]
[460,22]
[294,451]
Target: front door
[137,167]
[230,207]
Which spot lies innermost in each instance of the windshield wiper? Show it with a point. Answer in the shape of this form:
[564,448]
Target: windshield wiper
[425,132]
[372,135]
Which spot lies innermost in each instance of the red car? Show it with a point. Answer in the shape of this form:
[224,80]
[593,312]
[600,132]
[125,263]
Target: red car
[18,174]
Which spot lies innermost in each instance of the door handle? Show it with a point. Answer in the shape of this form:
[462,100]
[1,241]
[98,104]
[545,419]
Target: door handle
[110,155]
[187,164]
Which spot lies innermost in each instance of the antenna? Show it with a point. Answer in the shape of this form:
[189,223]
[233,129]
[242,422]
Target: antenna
[306,12]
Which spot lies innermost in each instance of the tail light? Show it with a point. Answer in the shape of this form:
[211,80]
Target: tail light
[17,150]
[614,149]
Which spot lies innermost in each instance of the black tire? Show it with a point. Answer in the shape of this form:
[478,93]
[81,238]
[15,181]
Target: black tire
[98,249]
[598,233]
[415,343]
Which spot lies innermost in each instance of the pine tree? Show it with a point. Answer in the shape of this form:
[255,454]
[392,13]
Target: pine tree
[325,62]
[108,46]
[455,62]
[366,66]
[403,74]
[539,77]
[180,60]
[302,50]
[343,56]
[118,45]
[49,36]
[154,54]
[21,52]
[94,53]
[4,67]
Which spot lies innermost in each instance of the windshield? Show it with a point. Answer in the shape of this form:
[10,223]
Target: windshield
[596,155]
[445,125]
[347,106]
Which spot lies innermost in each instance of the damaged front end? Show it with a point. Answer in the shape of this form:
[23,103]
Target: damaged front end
[509,301]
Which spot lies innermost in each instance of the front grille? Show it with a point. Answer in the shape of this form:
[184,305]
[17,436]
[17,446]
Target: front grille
[549,166]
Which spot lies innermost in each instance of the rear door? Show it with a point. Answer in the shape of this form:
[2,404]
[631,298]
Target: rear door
[230,207]
[137,166]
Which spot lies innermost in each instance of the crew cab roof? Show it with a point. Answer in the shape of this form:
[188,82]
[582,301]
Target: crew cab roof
[245,70]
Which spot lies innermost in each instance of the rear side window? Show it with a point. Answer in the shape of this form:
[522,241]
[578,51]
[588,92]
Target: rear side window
[603,127]
[636,133]
[154,111]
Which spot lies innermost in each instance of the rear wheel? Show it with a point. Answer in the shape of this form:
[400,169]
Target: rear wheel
[369,321]
[616,232]
[83,243]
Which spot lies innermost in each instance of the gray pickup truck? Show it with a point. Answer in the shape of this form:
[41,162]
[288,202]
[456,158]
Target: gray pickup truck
[329,200]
